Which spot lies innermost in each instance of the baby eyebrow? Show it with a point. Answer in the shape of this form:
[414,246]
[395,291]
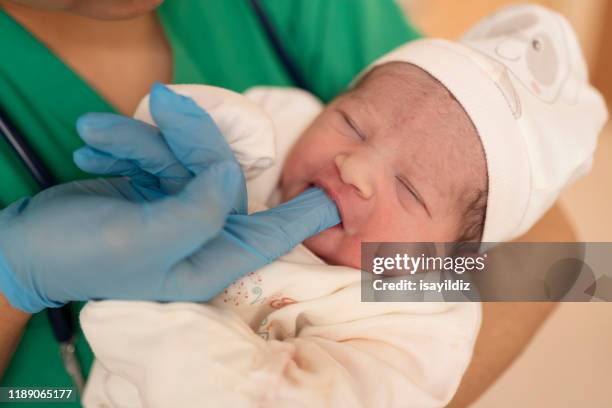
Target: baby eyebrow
[415,192]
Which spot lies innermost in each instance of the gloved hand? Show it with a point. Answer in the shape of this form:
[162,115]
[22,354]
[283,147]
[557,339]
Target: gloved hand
[153,236]
[162,161]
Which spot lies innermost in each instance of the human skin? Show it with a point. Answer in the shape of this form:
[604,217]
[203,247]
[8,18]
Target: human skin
[511,325]
[12,323]
[97,9]
[134,52]
[398,155]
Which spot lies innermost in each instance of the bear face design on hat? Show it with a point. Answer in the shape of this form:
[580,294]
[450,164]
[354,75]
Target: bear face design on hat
[533,43]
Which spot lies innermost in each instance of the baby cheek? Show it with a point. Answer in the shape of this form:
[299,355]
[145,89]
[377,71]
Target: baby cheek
[304,159]
[376,229]
[391,222]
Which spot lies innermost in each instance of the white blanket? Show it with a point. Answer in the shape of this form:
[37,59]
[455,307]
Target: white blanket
[292,334]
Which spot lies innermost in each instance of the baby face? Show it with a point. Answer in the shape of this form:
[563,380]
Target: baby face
[399,157]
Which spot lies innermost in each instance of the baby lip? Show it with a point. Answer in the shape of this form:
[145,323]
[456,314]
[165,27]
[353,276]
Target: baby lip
[333,195]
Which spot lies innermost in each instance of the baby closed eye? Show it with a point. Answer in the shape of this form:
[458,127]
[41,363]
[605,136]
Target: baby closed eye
[353,128]
[404,185]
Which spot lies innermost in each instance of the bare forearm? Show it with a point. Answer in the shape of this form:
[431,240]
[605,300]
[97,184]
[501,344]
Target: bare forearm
[12,323]
[507,328]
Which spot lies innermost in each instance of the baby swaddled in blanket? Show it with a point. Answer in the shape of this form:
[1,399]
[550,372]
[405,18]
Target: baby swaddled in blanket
[437,142]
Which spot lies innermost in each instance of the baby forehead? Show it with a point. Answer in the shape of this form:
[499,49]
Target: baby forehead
[401,78]
[403,97]
[398,92]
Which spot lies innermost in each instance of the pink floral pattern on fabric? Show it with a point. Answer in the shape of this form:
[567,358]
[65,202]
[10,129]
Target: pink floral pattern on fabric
[246,290]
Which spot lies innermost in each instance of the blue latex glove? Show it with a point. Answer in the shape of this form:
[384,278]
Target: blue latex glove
[161,158]
[156,235]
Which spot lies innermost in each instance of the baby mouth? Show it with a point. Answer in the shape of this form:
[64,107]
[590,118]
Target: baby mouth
[332,196]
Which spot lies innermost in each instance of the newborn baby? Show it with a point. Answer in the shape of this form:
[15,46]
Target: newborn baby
[437,142]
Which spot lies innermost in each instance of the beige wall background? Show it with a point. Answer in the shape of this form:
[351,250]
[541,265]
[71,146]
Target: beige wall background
[569,362]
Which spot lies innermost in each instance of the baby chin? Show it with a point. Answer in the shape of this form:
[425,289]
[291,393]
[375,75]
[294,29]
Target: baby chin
[335,247]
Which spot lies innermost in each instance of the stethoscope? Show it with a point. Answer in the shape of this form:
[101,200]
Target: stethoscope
[61,320]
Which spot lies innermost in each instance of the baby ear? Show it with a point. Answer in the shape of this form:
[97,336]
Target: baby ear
[512,25]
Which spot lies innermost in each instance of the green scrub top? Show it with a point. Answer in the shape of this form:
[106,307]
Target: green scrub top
[217,42]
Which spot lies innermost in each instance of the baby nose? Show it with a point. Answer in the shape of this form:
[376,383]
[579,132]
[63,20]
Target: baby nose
[354,170]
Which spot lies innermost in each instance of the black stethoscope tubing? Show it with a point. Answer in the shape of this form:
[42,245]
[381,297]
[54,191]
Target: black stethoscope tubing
[290,67]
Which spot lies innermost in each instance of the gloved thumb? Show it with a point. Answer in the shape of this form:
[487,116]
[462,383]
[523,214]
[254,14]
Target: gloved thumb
[275,232]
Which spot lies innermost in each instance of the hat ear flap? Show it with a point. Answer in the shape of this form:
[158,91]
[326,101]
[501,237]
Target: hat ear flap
[512,25]
[494,26]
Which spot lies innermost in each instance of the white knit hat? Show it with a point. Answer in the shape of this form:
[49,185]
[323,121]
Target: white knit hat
[521,77]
